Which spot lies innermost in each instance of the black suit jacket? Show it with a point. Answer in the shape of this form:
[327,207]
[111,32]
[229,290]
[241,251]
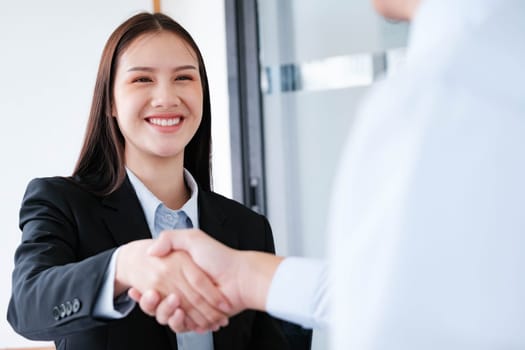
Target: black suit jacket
[68,237]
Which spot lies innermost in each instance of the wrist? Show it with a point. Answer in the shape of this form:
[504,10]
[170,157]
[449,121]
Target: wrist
[121,283]
[256,273]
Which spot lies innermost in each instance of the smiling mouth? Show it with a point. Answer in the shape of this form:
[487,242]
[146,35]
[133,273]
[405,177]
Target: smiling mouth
[164,121]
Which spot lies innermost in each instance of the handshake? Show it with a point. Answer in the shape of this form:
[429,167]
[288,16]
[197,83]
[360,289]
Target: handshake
[191,282]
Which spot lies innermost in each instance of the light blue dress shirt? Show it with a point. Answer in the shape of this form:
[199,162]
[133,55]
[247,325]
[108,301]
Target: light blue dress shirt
[159,218]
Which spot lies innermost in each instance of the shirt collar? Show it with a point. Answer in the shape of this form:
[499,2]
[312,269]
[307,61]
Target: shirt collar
[150,202]
[440,24]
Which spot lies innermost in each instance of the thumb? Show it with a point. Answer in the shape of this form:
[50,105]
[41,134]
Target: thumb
[167,242]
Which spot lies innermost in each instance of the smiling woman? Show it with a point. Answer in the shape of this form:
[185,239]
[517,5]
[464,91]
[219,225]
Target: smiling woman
[144,167]
[50,91]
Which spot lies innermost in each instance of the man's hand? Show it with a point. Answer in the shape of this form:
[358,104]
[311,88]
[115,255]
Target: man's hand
[243,277]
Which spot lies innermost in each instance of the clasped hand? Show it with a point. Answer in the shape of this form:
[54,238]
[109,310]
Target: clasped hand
[174,288]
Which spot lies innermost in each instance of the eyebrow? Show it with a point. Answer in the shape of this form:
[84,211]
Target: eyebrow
[151,69]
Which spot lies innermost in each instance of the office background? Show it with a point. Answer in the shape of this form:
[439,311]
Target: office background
[285,76]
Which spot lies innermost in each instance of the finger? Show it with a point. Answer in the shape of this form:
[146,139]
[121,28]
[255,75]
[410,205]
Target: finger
[134,294]
[162,245]
[176,321]
[200,311]
[149,302]
[166,308]
[222,323]
[194,305]
[209,292]
[168,241]
[193,314]
[189,323]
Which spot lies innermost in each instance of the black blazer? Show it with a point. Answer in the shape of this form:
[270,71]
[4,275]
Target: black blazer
[68,237]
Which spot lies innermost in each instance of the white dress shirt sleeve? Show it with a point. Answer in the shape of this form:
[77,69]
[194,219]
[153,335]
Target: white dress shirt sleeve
[106,306]
[299,292]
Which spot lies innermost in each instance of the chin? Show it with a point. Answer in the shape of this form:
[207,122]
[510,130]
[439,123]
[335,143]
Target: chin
[168,152]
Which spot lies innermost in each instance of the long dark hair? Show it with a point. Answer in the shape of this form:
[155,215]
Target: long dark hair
[100,165]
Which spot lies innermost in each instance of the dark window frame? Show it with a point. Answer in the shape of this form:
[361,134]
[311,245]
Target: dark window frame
[245,100]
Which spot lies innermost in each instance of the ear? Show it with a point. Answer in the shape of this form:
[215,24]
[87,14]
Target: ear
[113,110]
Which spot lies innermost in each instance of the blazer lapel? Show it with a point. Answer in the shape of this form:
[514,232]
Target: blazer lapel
[212,220]
[124,216]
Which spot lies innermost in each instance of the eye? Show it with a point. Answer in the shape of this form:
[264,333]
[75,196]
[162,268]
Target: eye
[184,77]
[142,80]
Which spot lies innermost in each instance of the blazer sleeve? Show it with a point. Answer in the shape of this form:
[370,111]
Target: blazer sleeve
[53,290]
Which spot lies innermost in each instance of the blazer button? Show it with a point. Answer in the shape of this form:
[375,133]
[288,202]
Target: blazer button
[69,308]
[56,313]
[76,305]
[62,309]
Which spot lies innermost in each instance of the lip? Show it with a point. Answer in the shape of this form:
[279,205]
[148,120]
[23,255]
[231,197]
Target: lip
[165,123]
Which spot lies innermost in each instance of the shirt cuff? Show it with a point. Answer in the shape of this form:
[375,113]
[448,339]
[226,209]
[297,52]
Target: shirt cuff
[106,306]
[299,292]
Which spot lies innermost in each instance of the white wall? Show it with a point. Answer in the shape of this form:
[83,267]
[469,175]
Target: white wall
[49,53]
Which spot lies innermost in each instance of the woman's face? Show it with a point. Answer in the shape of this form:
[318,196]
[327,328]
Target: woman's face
[157,97]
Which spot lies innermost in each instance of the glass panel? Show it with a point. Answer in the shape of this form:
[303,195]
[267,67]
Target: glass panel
[318,58]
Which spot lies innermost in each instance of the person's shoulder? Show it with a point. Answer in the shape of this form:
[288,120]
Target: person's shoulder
[58,182]
[56,186]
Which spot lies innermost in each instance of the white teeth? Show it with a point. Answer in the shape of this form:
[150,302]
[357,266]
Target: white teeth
[164,122]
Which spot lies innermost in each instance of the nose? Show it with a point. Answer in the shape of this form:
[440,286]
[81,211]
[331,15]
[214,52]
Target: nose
[165,95]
